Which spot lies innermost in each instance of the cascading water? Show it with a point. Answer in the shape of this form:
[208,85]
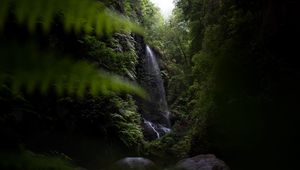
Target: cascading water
[157,119]
[151,126]
[154,70]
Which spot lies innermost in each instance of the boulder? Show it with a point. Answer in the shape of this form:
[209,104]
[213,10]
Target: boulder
[202,162]
[134,163]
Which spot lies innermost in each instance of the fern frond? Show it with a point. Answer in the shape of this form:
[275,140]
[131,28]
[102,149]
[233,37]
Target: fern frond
[33,70]
[79,15]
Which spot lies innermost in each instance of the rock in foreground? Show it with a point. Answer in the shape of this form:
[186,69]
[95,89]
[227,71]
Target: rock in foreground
[134,163]
[202,162]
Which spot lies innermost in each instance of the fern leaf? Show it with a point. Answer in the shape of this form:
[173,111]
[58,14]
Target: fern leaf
[31,69]
[78,15]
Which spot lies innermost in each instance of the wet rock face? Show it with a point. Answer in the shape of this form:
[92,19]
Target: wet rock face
[154,131]
[134,163]
[150,133]
[202,162]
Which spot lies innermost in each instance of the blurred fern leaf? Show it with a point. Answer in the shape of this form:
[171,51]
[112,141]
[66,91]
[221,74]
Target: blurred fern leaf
[79,15]
[27,68]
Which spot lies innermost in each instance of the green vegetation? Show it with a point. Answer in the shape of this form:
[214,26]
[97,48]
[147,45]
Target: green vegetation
[90,17]
[26,69]
[31,161]
[70,93]
[70,74]
[80,16]
[224,54]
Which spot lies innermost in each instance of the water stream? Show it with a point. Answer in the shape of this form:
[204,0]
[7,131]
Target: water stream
[159,120]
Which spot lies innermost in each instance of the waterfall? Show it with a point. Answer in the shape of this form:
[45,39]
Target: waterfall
[150,124]
[153,69]
[156,120]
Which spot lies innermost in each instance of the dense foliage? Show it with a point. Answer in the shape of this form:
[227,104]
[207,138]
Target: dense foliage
[69,74]
[241,72]
[67,81]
